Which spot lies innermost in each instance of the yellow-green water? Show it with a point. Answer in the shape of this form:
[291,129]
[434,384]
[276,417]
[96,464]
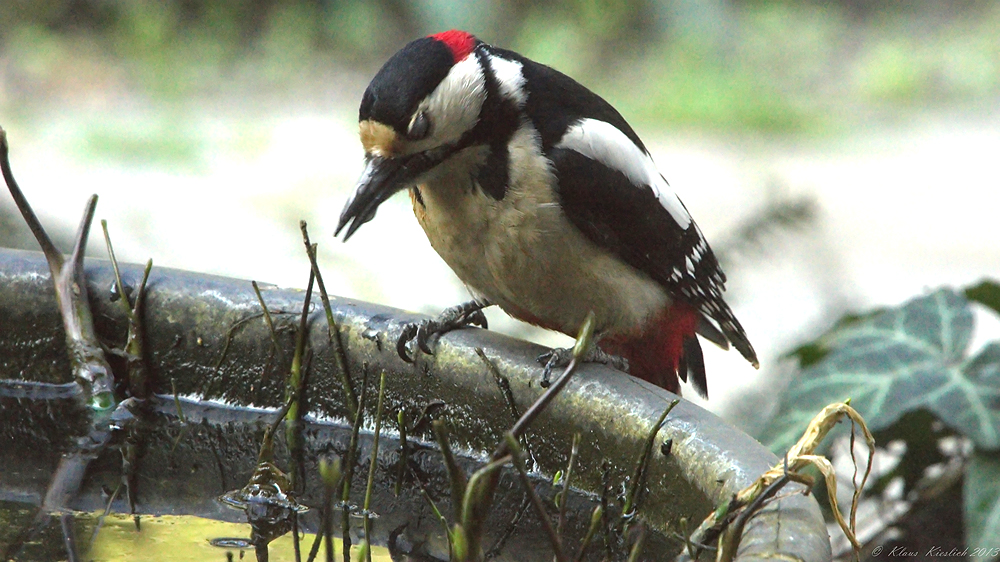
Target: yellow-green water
[186,538]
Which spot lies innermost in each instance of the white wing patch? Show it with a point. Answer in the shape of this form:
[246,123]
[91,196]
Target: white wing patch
[508,74]
[603,142]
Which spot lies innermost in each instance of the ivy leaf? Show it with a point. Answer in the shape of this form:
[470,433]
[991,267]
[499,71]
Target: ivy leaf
[896,361]
[813,352]
[922,433]
[982,500]
[986,293]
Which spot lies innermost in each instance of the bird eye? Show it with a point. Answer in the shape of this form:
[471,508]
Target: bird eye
[419,127]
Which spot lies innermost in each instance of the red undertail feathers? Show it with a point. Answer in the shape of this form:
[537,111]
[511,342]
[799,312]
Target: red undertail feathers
[667,349]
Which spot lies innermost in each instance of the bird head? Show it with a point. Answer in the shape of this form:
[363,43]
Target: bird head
[416,112]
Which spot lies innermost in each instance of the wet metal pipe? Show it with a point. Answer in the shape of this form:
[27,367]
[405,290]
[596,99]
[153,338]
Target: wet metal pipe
[206,339]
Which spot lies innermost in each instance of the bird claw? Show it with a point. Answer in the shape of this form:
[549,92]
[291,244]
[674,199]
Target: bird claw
[560,357]
[420,333]
[554,358]
[405,338]
[478,318]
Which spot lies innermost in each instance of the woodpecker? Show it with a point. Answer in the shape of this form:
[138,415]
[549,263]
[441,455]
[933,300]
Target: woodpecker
[545,202]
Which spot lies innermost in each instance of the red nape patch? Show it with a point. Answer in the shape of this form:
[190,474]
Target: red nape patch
[461,43]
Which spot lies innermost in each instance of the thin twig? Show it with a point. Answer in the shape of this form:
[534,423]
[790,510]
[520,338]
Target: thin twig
[643,461]
[582,345]
[504,385]
[296,388]
[324,514]
[133,351]
[138,376]
[295,536]
[426,416]
[501,541]
[476,503]
[69,536]
[229,338]
[91,372]
[231,333]
[267,318]
[180,416]
[605,518]
[177,401]
[404,454]
[101,518]
[352,454]
[856,496]
[434,509]
[267,445]
[536,501]
[595,521]
[730,540]
[501,381]
[126,305]
[54,257]
[374,461]
[456,476]
[638,544]
[82,234]
[330,473]
[331,324]
[563,498]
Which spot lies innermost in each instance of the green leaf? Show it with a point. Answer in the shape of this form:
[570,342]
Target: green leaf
[986,293]
[922,433]
[809,354]
[813,352]
[896,361]
[982,500]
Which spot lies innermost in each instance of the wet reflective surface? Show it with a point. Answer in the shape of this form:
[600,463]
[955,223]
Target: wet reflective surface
[170,538]
[211,356]
[197,467]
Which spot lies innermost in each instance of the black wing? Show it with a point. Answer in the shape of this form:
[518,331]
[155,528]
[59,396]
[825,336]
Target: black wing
[609,194]
[630,221]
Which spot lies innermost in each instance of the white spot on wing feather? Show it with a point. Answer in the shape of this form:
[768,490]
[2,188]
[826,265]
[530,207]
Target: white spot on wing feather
[603,142]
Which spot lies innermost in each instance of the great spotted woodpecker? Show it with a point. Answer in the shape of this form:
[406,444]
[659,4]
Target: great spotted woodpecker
[544,201]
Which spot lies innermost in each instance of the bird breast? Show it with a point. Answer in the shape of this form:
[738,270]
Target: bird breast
[522,253]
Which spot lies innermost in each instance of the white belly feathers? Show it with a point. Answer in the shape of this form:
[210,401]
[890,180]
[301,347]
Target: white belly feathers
[522,253]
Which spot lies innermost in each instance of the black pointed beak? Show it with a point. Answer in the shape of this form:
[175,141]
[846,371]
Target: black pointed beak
[382,178]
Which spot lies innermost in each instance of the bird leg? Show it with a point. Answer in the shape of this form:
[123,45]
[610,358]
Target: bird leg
[452,318]
[560,357]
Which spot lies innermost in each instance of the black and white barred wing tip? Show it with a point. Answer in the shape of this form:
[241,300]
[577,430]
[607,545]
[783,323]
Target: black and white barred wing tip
[729,328]
[708,330]
[619,199]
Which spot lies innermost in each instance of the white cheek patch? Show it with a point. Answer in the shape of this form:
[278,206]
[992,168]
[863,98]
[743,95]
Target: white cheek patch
[508,74]
[603,142]
[453,107]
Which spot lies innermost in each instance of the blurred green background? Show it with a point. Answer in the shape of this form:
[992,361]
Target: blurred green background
[774,67]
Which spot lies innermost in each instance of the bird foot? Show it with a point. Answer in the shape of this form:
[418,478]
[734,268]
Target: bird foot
[419,333]
[561,356]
